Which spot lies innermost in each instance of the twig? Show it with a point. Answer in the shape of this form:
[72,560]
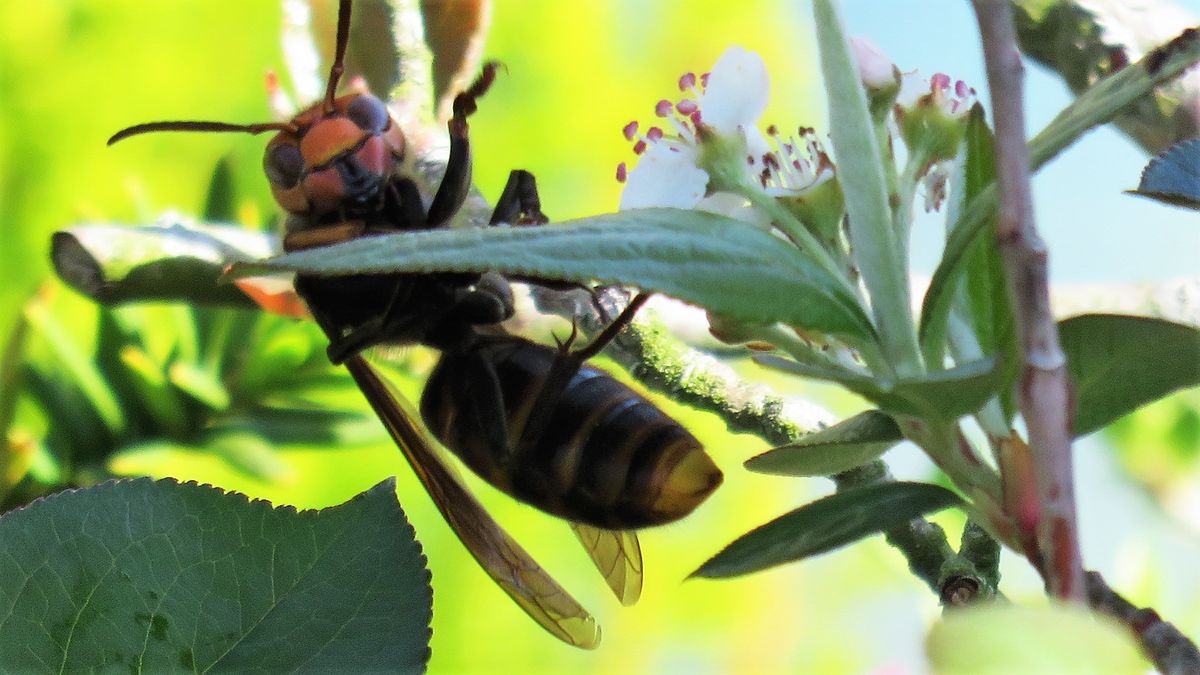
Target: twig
[923,544]
[1170,650]
[1044,397]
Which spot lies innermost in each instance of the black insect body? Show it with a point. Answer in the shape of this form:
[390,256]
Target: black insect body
[534,421]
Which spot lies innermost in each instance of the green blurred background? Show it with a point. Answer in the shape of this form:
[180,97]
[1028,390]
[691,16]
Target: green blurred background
[74,71]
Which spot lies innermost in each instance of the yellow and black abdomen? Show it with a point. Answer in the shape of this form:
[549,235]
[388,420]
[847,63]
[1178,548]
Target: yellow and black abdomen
[599,453]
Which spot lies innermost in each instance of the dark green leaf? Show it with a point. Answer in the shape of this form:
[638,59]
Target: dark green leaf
[154,576]
[220,205]
[943,394]
[722,264]
[11,352]
[986,294]
[199,384]
[1174,176]
[248,453]
[315,427]
[826,524]
[845,445]
[1119,363]
[112,264]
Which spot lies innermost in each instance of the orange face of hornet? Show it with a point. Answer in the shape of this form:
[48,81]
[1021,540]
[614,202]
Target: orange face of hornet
[335,161]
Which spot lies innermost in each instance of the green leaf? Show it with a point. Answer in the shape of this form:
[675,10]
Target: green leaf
[877,253]
[1099,104]
[112,264]
[722,264]
[199,383]
[1004,638]
[220,204]
[248,453]
[154,393]
[11,353]
[316,428]
[1174,176]
[1119,363]
[984,297]
[82,370]
[980,293]
[155,576]
[826,524]
[943,394]
[845,445]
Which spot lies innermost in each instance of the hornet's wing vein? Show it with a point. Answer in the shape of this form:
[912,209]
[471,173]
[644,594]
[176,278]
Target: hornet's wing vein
[497,553]
[618,556]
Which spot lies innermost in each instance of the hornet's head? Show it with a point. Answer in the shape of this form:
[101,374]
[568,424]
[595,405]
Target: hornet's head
[336,156]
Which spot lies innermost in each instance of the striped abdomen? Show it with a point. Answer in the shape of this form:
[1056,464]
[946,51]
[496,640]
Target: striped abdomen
[605,455]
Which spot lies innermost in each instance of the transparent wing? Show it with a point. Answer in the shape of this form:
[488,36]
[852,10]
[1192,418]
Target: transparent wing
[618,556]
[497,553]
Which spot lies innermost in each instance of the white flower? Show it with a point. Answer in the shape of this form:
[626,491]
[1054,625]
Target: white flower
[712,152]
[718,111]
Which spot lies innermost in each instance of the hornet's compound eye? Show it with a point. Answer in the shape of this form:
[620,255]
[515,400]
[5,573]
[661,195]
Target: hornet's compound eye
[283,165]
[368,113]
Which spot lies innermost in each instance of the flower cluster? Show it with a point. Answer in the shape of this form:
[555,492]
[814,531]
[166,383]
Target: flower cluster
[708,152]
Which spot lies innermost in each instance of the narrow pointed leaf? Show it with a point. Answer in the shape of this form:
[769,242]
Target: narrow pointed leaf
[249,454]
[826,524]
[943,394]
[199,383]
[11,352]
[845,445]
[155,576]
[112,263]
[82,370]
[877,253]
[719,263]
[1120,363]
[220,204]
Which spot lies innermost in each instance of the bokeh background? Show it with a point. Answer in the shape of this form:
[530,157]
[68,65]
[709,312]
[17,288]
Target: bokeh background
[73,71]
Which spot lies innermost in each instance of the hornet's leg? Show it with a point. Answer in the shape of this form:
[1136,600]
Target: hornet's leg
[566,364]
[520,203]
[457,180]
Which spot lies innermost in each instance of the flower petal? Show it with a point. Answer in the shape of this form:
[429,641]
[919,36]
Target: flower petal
[734,206]
[666,175]
[736,95]
[875,69]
